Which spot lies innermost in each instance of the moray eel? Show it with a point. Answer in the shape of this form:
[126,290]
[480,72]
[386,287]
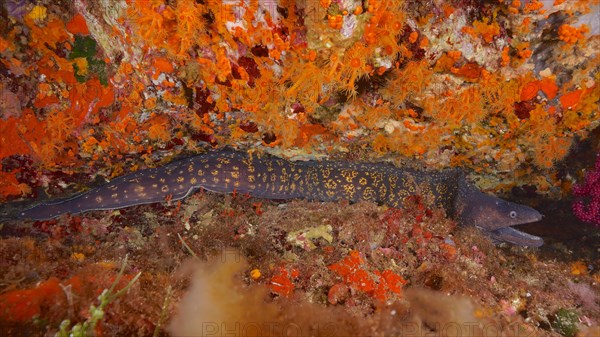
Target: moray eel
[275,178]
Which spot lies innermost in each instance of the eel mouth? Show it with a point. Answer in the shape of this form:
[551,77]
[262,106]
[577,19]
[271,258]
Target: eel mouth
[514,236]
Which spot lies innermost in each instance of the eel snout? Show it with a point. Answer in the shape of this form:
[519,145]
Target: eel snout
[514,236]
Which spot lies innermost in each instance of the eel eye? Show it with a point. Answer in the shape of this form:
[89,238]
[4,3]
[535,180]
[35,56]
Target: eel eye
[513,214]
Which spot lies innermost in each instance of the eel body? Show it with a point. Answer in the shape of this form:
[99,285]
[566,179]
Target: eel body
[275,178]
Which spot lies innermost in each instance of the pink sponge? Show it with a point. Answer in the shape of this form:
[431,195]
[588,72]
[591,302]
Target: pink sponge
[588,191]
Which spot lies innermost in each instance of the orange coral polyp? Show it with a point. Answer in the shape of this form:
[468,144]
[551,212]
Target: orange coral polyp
[388,50]
[355,63]
[572,35]
[413,37]
[487,31]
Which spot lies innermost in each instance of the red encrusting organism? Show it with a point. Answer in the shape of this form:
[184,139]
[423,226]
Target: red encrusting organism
[356,275]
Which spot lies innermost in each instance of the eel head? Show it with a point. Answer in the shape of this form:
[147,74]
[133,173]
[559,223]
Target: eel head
[495,216]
